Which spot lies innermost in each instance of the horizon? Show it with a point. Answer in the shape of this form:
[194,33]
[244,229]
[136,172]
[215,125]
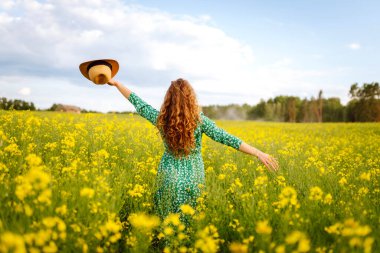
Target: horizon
[252,105]
[229,51]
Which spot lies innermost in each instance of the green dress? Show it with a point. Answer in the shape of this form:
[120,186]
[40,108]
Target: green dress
[179,180]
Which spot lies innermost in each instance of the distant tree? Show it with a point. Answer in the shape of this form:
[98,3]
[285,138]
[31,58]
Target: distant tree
[365,102]
[320,106]
[333,110]
[53,107]
[257,111]
[292,109]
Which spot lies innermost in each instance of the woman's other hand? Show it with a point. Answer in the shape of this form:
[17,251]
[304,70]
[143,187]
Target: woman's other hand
[269,161]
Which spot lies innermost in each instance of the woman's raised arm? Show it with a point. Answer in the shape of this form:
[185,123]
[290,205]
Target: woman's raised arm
[142,108]
[123,90]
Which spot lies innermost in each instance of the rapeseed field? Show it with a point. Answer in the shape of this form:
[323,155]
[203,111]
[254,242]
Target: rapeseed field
[84,183]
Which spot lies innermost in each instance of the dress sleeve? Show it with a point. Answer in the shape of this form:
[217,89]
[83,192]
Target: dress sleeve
[218,134]
[143,108]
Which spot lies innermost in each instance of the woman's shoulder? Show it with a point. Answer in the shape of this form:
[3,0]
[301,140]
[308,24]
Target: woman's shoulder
[202,117]
[204,121]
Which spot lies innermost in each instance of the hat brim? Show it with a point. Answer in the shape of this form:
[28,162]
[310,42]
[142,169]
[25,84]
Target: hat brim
[83,67]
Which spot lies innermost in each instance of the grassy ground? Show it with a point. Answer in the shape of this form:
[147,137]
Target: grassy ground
[72,183]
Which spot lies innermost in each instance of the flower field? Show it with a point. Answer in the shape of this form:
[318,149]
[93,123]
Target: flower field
[84,183]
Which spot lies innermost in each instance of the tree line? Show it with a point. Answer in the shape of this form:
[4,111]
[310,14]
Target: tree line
[16,104]
[364,106]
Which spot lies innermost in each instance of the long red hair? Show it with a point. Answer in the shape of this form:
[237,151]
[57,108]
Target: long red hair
[178,118]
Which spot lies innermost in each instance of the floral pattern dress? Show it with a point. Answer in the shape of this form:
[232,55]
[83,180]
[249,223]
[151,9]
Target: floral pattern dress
[179,180]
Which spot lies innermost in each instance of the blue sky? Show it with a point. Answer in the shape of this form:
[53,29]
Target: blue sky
[297,29]
[231,51]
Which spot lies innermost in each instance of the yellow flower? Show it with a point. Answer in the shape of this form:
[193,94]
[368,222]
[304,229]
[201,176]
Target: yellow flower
[62,210]
[280,180]
[137,191]
[262,227]
[294,237]
[328,199]
[363,191]
[50,248]
[342,181]
[76,228]
[131,241]
[111,230]
[300,238]
[208,240]
[168,231]
[334,229]
[112,226]
[187,209]
[236,247]
[45,196]
[181,236]
[172,218]
[87,192]
[304,245]
[143,221]
[33,160]
[28,210]
[365,176]
[102,154]
[287,198]
[367,244]
[221,176]
[10,242]
[280,249]
[34,182]
[315,193]
[261,180]
[13,149]
[249,239]
[182,249]
[238,182]
[51,222]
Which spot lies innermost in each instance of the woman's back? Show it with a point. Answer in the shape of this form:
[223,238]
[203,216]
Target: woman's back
[206,125]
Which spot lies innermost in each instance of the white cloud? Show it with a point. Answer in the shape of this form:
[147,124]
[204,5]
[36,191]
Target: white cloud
[283,62]
[354,46]
[46,41]
[6,4]
[25,91]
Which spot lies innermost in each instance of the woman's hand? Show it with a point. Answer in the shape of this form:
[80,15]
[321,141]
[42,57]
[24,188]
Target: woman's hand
[269,161]
[113,82]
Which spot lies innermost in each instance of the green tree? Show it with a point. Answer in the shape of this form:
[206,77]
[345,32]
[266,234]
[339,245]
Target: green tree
[365,102]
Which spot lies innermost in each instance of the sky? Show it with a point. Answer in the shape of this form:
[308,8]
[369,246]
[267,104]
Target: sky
[230,51]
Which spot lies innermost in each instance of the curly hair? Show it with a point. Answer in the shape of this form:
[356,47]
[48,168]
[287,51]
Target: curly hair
[178,117]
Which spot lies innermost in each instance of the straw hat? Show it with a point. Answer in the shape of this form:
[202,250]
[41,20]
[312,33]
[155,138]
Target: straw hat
[99,71]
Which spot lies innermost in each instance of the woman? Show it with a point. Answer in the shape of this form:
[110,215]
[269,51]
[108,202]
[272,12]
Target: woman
[181,125]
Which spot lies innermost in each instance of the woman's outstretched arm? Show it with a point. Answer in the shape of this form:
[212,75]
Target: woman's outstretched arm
[269,161]
[220,135]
